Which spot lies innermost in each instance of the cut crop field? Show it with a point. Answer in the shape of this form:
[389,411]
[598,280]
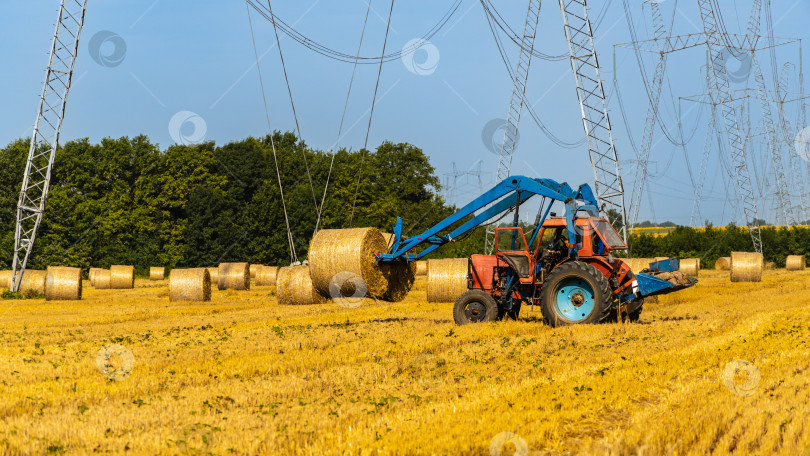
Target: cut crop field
[243,375]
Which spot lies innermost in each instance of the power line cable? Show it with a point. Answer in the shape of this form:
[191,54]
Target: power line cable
[348,58]
[292,103]
[342,119]
[529,108]
[290,240]
[371,116]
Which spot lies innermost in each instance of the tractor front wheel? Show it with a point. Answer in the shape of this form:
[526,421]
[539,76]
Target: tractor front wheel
[475,306]
[576,293]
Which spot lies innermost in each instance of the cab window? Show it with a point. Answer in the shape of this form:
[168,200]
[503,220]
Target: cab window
[554,238]
[510,240]
[608,234]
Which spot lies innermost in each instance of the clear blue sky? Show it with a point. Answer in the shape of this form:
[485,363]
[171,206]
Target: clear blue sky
[197,56]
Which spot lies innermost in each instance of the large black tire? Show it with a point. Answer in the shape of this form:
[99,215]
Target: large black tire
[475,306]
[587,290]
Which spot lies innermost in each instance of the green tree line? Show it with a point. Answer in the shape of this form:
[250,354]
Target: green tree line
[713,243]
[126,201]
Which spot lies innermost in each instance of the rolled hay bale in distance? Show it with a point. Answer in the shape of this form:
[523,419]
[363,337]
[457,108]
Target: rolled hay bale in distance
[266,276]
[294,287]
[157,273]
[101,279]
[660,258]
[63,284]
[746,267]
[122,277]
[5,279]
[638,264]
[690,266]
[421,268]
[446,279]
[234,276]
[92,275]
[722,264]
[354,251]
[254,268]
[214,272]
[793,263]
[33,281]
[190,285]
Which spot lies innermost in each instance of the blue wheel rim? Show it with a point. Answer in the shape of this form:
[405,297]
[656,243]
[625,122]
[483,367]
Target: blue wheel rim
[574,299]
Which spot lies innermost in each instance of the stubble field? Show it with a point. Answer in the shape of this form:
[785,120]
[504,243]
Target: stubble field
[242,375]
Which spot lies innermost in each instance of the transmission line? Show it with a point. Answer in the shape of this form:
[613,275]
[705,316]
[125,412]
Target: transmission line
[371,116]
[290,240]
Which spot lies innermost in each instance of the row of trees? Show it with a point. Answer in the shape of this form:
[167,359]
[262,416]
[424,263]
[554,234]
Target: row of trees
[126,201]
[713,243]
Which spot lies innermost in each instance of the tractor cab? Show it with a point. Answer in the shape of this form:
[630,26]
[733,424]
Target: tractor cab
[593,236]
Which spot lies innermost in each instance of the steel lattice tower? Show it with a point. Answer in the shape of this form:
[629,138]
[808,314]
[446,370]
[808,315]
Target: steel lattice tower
[510,133]
[45,137]
[591,94]
[721,93]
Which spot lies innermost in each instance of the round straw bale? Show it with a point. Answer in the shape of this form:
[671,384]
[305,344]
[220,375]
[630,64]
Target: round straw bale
[214,272]
[266,276]
[234,276]
[446,279]
[793,263]
[33,281]
[400,278]
[122,277]
[294,287]
[190,285]
[660,258]
[389,239]
[254,268]
[690,266]
[63,284]
[421,268]
[101,279]
[722,263]
[746,267]
[351,250]
[5,279]
[157,273]
[638,264]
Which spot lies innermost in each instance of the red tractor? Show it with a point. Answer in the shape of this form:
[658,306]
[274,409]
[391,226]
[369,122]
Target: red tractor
[587,289]
[567,267]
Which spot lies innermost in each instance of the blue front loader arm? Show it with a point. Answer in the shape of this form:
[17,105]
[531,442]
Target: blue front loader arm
[514,190]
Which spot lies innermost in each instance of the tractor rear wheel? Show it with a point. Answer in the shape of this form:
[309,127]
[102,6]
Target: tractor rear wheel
[576,293]
[475,306]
